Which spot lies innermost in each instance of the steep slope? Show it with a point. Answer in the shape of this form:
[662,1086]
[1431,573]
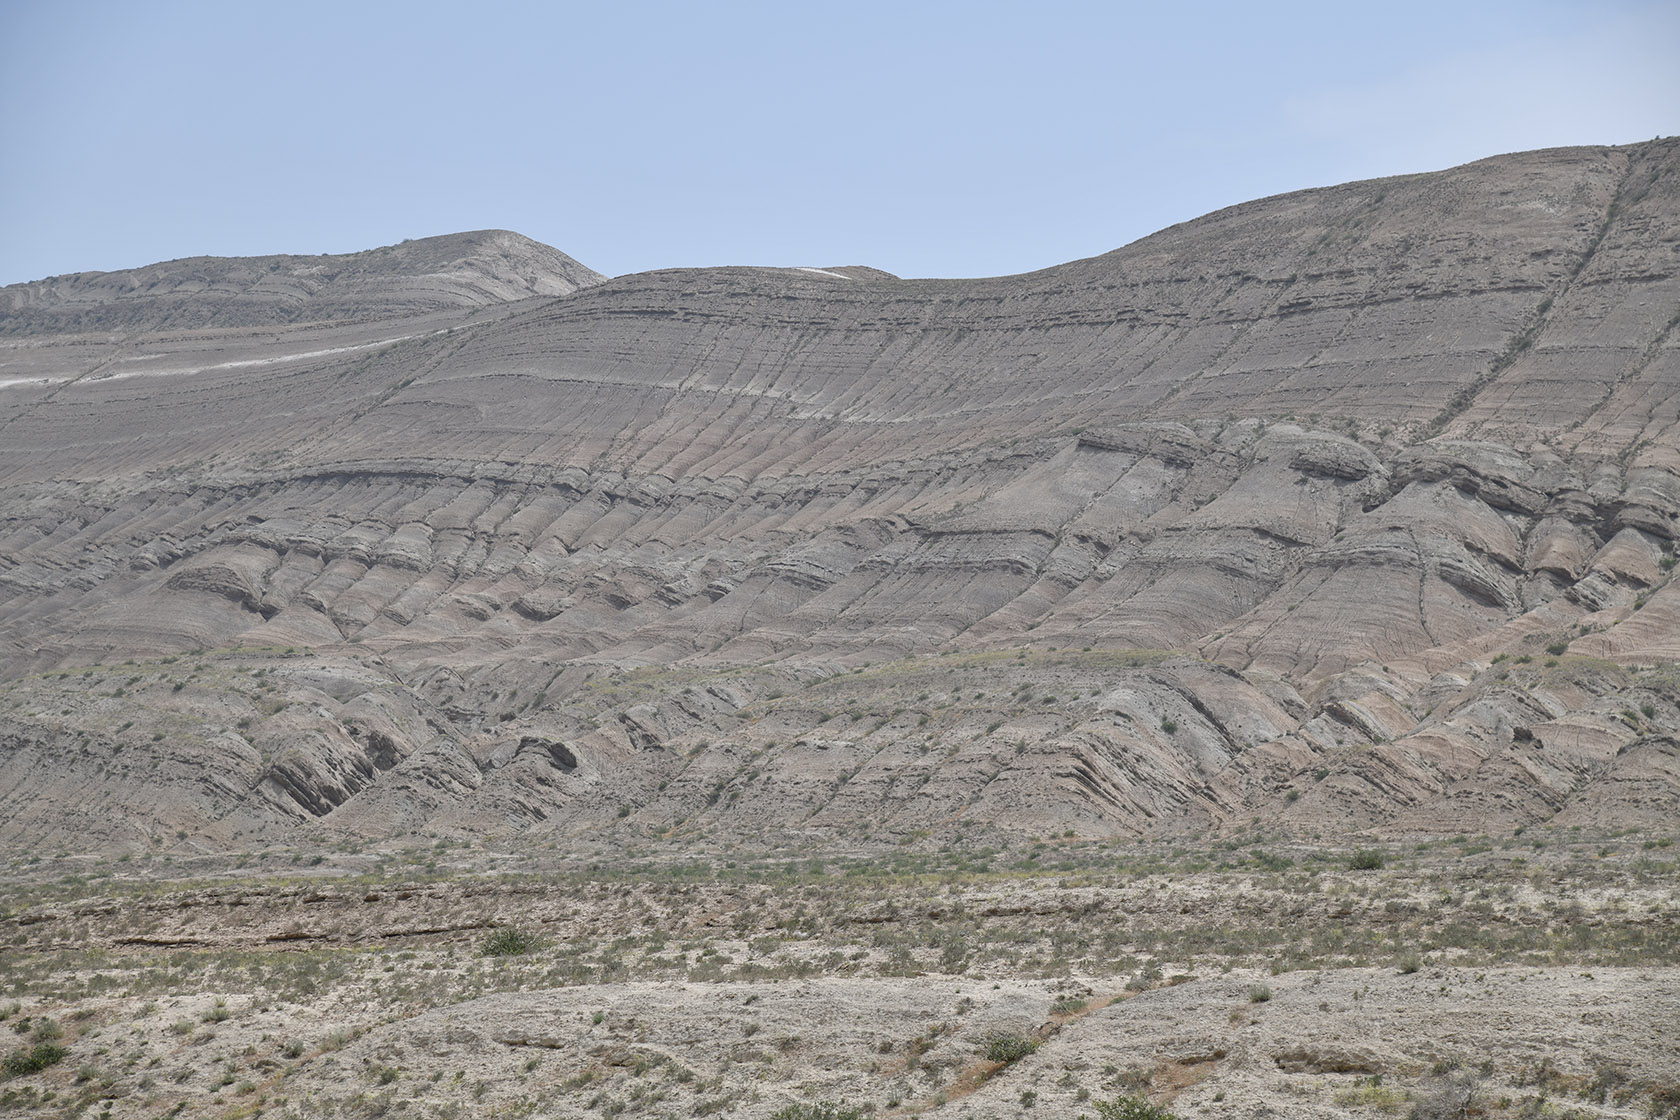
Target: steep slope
[1348,509]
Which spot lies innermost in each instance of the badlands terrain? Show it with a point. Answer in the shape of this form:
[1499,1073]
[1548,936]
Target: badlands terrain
[1232,675]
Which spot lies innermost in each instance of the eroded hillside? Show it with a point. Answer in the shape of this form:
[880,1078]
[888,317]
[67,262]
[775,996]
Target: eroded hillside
[1352,509]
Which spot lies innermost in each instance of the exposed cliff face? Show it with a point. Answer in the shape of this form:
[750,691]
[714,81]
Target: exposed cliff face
[1233,522]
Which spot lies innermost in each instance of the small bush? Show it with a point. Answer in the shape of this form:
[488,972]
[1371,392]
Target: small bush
[20,1063]
[1409,962]
[1131,1108]
[1007,1048]
[1259,993]
[1168,726]
[1556,649]
[509,941]
[821,1110]
[1449,1096]
[1367,859]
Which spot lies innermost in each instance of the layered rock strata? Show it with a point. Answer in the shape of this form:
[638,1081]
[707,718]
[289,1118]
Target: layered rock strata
[1350,509]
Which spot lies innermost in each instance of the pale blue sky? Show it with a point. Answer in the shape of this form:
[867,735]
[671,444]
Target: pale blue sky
[930,139]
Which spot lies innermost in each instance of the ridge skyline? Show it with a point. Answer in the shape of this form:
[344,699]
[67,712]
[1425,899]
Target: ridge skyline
[491,230]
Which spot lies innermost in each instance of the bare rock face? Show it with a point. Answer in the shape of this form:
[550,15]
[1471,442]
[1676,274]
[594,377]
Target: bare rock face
[1352,509]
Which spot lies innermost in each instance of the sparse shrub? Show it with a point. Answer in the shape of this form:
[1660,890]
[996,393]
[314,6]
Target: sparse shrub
[1147,977]
[1007,1048]
[1259,993]
[820,1110]
[1367,859]
[1605,1080]
[21,1063]
[509,941]
[1168,726]
[1131,1108]
[1450,1096]
[1408,962]
[1556,649]
[1370,1095]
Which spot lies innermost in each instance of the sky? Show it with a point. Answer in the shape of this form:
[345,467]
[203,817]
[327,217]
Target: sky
[925,138]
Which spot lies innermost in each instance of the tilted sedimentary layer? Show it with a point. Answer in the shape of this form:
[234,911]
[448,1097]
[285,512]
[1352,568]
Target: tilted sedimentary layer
[1347,509]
